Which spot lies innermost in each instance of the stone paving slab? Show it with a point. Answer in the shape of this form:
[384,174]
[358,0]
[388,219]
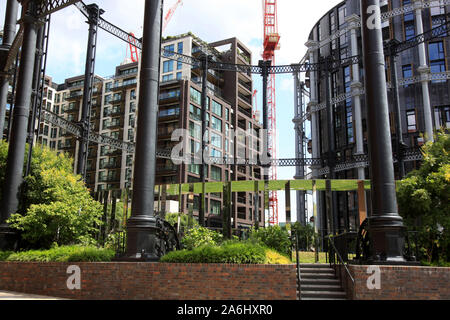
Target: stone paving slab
[7,295]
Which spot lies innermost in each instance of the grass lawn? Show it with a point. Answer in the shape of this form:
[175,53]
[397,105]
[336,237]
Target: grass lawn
[310,257]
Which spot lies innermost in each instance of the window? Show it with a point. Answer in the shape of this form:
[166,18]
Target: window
[437,58]
[408,22]
[216,108]
[216,140]
[169,112]
[215,207]
[216,124]
[195,113]
[179,75]
[411,120]
[442,117]
[216,173]
[133,94]
[179,64]
[195,130]
[407,72]
[227,114]
[168,66]
[196,96]
[216,153]
[169,48]
[108,87]
[54,133]
[167,77]
[180,47]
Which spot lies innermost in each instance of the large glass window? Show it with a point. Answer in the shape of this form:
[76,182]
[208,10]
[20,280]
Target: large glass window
[437,57]
[348,107]
[408,22]
[215,207]
[216,124]
[216,140]
[195,113]
[195,130]
[216,108]
[196,96]
[216,173]
[168,66]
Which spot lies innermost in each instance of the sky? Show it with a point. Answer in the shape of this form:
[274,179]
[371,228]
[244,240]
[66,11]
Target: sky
[211,20]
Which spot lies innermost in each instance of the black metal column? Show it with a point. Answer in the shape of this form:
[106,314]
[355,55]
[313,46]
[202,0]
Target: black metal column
[203,166]
[332,212]
[400,144]
[385,224]
[142,239]
[9,32]
[35,94]
[89,75]
[15,161]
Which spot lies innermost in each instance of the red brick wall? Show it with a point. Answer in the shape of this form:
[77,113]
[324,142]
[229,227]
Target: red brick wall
[401,283]
[153,281]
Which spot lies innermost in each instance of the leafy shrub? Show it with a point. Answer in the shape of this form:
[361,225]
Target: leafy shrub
[200,236]
[273,257]
[61,254]
[230,252]
[4,255]
[57,206]
[306,235]
[172,218]
[424,200]
[273,237]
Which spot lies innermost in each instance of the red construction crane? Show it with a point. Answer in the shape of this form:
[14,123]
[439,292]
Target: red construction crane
[133,49]
[271,43]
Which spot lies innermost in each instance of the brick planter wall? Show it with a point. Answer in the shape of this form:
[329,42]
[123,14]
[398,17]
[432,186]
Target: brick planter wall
[158,281]
[400,283]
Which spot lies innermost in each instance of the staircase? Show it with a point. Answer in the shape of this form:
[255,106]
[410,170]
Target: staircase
[319,282]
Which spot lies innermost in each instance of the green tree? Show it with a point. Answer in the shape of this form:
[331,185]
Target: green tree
[305,235]
[57,207]
[273,237]
[423,198]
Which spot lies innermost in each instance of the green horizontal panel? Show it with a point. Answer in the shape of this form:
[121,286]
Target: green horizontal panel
[214,187]
[172,189]
[301,185]
[344,185]
[185,188]
[198,189]
[277,185]
[242,186]
[367,185]
[320,185]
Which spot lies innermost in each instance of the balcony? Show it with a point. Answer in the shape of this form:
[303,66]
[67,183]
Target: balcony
[246,85]
[114,125]
[245,112]
[74,95]
[247,99]
[110,165]
[165,169]
[125,85]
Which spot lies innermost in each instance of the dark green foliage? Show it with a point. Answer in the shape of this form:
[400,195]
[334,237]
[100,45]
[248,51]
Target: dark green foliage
[305,235]
[229,252]
[61,254]
[273,237]
[56,207]
[424,201]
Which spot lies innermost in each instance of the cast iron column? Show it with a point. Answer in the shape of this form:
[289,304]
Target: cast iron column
[9,32]
[141,227]
[385,224]
[35,96]
[203,166]
[16,152]
[94,13]
[398,117]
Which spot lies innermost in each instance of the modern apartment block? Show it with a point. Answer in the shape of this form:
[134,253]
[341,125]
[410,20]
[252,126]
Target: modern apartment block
[422,84]
[114,112]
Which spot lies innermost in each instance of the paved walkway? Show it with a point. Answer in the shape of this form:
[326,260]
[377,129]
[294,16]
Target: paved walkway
[6,295]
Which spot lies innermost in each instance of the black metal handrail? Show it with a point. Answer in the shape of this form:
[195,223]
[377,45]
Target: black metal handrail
[333,261]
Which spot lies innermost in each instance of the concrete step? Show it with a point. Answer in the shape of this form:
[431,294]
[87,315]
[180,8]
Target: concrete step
[307,276]
[316,270]
[321,287]
[320,282]
[314,265]
[305,298]
[324,294]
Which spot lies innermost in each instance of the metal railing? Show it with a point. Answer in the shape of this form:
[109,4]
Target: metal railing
[336,257]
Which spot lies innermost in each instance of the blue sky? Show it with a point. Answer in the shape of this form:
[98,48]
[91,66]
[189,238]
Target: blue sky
[210,20]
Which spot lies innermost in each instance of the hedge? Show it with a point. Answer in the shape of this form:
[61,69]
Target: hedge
[61,254]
